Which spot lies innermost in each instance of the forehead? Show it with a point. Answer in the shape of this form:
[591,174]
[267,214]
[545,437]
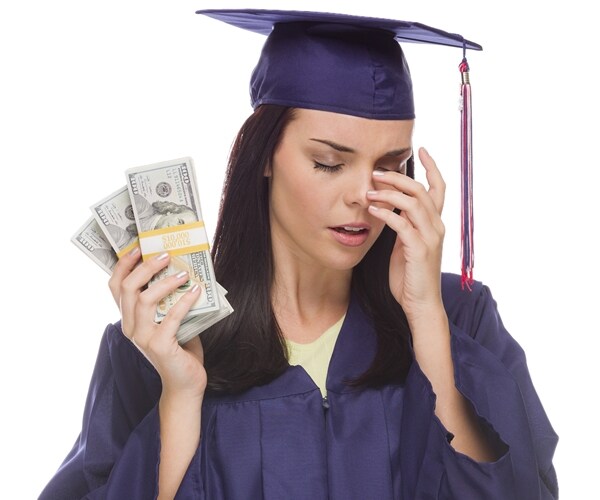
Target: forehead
[361,134]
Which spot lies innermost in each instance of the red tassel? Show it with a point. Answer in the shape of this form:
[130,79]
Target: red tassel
[466,139]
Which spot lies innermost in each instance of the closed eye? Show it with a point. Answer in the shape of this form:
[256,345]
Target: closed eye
[328,168]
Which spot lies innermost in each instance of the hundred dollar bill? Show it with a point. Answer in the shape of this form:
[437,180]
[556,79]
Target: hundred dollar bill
[195,325]
[90,239]
[166,207]
[115,216]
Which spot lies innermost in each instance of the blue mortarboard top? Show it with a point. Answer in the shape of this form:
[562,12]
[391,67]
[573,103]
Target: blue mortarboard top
[334,62]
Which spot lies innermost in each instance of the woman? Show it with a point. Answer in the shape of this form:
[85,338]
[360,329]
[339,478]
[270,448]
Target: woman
[408,387]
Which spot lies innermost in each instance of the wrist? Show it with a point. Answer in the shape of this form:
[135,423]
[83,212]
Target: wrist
[181,400]
[430,333]
[426,315]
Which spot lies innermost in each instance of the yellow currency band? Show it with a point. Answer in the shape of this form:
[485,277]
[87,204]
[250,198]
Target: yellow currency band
[176,240]
[129,248]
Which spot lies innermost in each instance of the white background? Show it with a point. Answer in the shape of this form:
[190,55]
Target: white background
[89,89]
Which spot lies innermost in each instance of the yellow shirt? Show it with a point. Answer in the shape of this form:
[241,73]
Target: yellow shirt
[315,356]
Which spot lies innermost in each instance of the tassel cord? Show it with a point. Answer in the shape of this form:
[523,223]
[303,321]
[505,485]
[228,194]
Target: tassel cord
[467,248]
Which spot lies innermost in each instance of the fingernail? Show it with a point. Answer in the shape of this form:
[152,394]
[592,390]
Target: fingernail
[162,256]
[378,173]
[195,288]
[181,274]
[426,152]
[373,207]
[371,193]
[134,251]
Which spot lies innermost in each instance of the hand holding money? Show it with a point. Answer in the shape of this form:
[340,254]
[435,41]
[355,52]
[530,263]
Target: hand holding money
[159,210]
[167,213]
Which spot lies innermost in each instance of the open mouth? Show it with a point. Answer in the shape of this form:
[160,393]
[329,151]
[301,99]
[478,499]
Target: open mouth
[352,235]
[350,230]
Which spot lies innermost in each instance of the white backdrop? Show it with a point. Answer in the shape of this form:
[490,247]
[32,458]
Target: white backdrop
[90,89]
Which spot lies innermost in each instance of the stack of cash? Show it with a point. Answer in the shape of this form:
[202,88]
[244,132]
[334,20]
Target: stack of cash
[159,210]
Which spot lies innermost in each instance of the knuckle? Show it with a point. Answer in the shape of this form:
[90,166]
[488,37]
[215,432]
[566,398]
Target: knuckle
[442,229]
[402,224]
[412,204]
[144,299]
[420,189]
[175,313]
[171,315]
[178,311]
[127,286]
[113,284]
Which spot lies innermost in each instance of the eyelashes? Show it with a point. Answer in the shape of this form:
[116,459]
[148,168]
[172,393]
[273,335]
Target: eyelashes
[328,168]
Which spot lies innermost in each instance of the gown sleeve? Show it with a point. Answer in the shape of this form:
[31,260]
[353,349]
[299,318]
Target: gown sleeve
[491,372]
[123,392]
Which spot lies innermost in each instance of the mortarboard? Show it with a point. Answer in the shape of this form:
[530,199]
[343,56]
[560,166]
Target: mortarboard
[351,65]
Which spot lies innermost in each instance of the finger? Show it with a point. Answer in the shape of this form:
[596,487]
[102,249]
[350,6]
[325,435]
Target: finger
[142,274]
[177,313]
[406,185]
[167,333]
[131,287]
[406,233]
[149,335]
[121,270]
[427,223]
[145,308]
[437,185]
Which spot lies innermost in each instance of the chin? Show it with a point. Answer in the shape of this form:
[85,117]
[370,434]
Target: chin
[344,262]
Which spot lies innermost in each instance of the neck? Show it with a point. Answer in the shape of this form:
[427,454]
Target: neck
[307,299]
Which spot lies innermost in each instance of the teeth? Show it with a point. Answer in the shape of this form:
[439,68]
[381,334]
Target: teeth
[354,229]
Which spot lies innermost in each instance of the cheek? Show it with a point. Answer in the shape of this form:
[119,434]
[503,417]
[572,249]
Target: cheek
[296,187]
[290,194]
[310,203]
[376,229]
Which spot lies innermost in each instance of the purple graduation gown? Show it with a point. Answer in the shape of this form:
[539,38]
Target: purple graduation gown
[282,440]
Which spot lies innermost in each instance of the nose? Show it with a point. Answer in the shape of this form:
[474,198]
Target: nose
[359,182]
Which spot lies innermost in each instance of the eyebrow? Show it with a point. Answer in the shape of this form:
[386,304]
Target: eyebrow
[346,149]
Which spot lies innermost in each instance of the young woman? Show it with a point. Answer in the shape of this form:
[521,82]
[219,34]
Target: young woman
[351,367]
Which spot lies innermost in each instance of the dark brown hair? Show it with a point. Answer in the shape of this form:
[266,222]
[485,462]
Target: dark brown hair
[247,348]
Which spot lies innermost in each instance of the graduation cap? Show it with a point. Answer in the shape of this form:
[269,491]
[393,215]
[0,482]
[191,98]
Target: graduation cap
[351,65]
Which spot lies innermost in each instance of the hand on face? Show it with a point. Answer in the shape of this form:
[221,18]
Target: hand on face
[415,263]
[180,367]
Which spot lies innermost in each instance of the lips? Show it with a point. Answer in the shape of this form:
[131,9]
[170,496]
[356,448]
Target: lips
[349,229]
[350,234]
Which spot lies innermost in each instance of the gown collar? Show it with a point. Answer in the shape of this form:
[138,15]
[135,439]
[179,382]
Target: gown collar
[353,353]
